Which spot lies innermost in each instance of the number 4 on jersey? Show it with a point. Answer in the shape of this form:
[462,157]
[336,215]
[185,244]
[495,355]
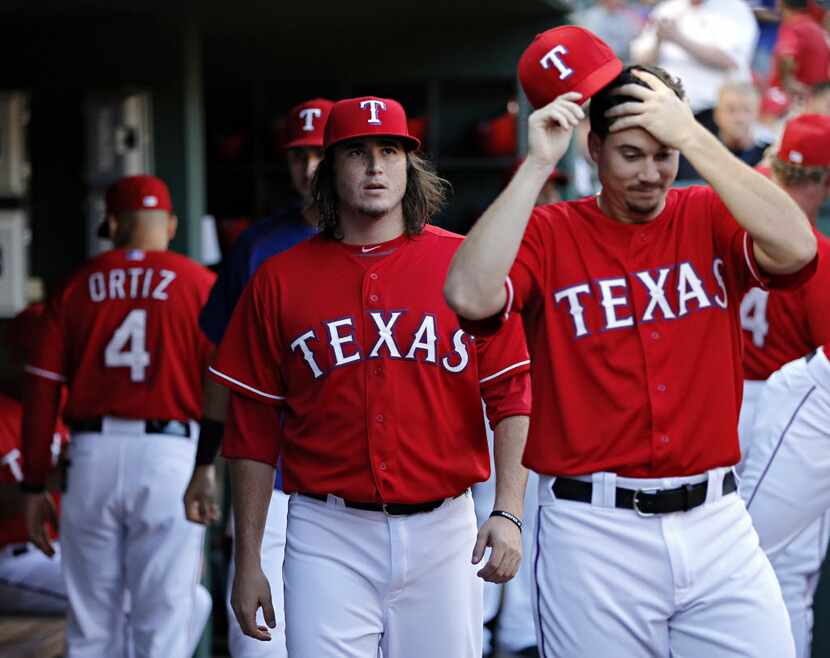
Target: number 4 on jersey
[754,315]
[136,358]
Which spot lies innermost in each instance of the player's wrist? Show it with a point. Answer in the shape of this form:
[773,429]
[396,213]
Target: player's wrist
[210,439]
[32,487]
[515,520]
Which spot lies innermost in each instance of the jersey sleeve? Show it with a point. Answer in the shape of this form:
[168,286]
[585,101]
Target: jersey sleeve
[816,299]
[503,367]
[48,356]
[253,431]
[735,243]
[249,357]
[521,282]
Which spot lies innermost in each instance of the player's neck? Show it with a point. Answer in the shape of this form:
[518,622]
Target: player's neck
[618,211]
[363,229]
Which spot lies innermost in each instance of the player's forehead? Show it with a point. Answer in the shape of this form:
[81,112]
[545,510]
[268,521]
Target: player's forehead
[634,139]
[368,143]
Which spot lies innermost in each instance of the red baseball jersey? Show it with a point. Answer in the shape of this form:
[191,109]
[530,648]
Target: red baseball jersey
[635,336]
[803,40]
[379,387]
[13,528]
[782,326]
[123,335]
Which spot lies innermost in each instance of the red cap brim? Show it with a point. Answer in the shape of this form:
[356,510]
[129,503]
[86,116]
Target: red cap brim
[410,143]
[304,141]
[599,79]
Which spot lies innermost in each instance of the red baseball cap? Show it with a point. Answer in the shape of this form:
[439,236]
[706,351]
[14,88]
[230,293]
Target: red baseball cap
[135,193]
[563,59]
[368,116]
[306,123]
[806,141]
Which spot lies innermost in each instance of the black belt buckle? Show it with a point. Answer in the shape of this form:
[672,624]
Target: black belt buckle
[635,503]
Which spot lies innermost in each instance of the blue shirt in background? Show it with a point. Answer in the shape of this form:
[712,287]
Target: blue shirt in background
[270,236]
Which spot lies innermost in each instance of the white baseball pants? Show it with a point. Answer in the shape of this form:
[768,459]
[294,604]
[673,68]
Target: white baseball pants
[273,552]
[123,529]
[689,584]
[788,450]
[30,582]
[357,582]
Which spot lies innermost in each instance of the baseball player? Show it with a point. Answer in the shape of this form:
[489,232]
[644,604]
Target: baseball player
[29,581]
[631,305]
[779,328]
[305,124]
[122,335]
[347,365]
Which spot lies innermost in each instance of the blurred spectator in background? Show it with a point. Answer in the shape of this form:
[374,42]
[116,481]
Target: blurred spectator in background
[614,21]
[704,42]
[734,117]
[818,100]
[801,56]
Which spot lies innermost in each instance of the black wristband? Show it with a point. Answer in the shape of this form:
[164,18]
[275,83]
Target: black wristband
[29,488]
[210,438]
[507,515]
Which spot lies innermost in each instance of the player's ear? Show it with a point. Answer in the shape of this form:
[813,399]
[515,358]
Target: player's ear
[594,146]
[172,225]
[112,225]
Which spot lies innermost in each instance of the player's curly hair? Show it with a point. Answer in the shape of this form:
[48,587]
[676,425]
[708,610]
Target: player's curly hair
[793,175]
[425,195]
[606,99]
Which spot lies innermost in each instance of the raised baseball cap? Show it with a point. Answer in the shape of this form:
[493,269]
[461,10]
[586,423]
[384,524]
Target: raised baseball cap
[806,141]
[368,116]
[133,193]
[305,124]
[563,59]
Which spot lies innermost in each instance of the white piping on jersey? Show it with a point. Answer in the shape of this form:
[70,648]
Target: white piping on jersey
[245,386]
[749,260]
[503,370]
[46,374]
[509,284]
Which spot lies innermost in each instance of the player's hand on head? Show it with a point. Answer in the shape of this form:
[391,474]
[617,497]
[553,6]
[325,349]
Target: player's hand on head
[656,109]
[200,497]
[40,512]
[551,127]
[251,592]
[505,542]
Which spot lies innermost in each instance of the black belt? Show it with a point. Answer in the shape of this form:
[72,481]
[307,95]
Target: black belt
[392,509]
[646,502]
[170,427]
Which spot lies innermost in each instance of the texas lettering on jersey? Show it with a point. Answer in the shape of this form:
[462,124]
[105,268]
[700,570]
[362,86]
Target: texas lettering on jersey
[673,292]
[422,346]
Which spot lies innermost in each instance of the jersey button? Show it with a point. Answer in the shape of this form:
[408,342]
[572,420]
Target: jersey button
[379,418]
[662,388]
[655,335]
[373,297]
[643,237]
[664,439]
[373,276]
[378,370]
[382,466]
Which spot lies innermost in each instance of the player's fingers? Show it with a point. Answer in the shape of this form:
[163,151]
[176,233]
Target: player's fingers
[191,510]
[574,109]
[481,544]
[559,118]
[213,512]
[51,512]
[634,91]
[630,121]
[268,612]
[491,569]
[626,109]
